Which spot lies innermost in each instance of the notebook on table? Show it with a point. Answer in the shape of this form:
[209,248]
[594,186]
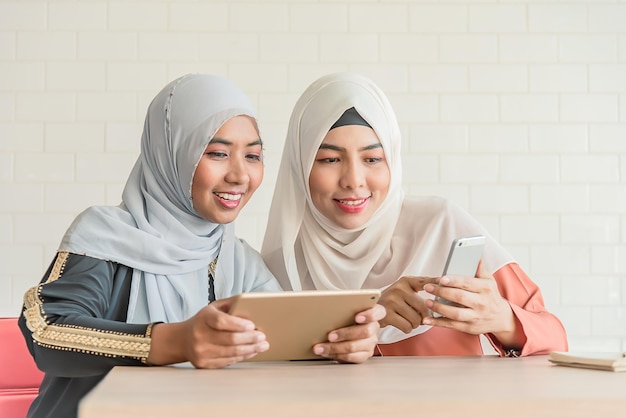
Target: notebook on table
[615,362]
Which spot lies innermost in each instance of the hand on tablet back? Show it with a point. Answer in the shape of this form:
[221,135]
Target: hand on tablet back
[356,343]
[210,339]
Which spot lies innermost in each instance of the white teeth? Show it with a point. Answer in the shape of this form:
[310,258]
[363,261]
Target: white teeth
[351,202]
[228,196]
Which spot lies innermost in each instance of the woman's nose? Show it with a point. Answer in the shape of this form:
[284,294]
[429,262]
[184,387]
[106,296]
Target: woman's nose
[237,172]
[352,176]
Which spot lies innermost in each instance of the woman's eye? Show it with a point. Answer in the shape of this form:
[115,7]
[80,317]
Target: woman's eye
[217,154]
[254,157]
[373,160]
[329,160]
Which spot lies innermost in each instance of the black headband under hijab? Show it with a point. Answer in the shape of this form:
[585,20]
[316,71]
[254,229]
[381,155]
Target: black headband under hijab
[350,117]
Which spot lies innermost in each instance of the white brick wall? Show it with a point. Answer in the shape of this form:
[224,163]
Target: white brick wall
[514,109]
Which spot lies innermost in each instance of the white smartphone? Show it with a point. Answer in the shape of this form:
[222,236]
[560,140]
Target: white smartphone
[463,259]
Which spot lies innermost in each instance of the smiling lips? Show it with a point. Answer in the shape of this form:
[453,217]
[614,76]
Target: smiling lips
[354,205]
[229,200]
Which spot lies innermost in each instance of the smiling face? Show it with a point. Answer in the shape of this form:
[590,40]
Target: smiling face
[229,172]
[350,176]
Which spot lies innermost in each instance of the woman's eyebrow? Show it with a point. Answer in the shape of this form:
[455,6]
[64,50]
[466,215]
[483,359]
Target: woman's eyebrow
[331,147]
[228,142]
[340,149]
[373,146]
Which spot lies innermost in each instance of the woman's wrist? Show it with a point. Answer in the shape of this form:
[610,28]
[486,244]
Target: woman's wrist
[512,337]
[166,346]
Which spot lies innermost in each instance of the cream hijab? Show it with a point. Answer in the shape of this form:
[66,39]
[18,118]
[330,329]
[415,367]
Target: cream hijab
[155,229]
[408,236]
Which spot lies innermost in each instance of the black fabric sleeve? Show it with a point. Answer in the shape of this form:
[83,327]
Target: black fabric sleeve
[74,320]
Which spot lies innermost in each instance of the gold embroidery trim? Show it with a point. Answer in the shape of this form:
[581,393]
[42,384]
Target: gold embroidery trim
[212,266]
[76,338]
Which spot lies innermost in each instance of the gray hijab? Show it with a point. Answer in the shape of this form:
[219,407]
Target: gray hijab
[155,229]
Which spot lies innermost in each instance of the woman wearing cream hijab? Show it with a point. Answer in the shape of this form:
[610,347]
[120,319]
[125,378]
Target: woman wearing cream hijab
[339,220]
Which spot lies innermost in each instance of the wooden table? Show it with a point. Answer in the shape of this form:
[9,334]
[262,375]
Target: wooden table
[382,387]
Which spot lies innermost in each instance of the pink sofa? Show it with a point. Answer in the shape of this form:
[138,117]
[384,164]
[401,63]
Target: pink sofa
[19,376]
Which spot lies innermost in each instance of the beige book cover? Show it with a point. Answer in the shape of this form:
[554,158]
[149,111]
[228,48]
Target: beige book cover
[615,362]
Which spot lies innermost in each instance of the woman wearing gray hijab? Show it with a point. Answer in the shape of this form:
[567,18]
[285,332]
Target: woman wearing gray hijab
[149,282]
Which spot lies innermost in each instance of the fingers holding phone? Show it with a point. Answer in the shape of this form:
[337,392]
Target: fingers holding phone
[454,297]
[478,307]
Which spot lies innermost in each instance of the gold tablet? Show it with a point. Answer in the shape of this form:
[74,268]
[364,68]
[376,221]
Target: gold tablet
[295,321]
